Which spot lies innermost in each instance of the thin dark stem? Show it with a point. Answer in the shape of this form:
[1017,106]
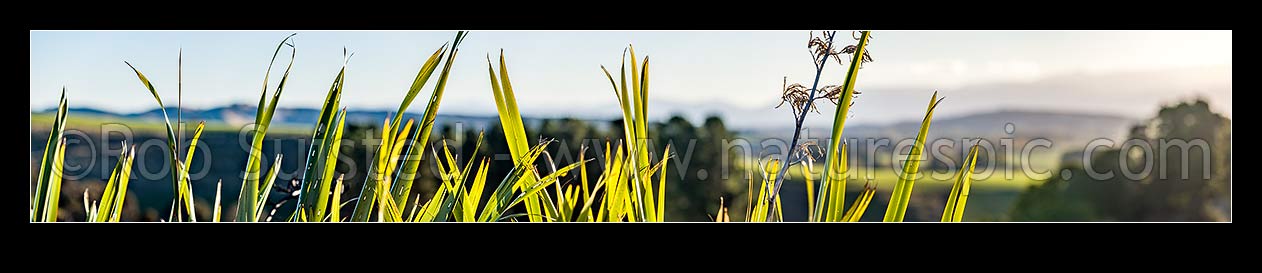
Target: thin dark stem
[179,121]
[179,101]
[797,129]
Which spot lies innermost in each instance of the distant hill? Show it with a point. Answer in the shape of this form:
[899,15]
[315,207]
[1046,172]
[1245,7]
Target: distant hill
[1060,127]
[1054,125]
[1130,94]
[241,114]
[1057,126]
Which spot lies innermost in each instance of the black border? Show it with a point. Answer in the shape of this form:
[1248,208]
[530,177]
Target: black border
[1041,242]
[736,15]
[1031,244]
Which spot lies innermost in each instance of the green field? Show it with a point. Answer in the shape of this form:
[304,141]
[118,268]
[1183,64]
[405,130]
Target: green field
[991,198]
[885,178]
[40,122]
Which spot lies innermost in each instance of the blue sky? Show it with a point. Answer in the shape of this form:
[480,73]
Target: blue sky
[556,73]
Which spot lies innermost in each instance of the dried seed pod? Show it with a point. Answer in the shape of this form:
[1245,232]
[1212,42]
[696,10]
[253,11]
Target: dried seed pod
[798,97]
[850,49]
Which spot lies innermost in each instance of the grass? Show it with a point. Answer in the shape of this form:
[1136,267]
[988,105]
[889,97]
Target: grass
[625,183]
[623,190]
[907,178]
[828,203]
[249,202]
[317,178]
[802,108]
[45,201]
[380,182]
[110,207]
[514,133]
[833,182]
[179,178]
[860,204]
[954,210]
[634,103]
[991,197]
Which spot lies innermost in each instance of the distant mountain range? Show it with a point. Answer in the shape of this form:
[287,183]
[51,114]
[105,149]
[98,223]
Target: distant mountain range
[1027,124]
[1024,123]
[1074,105]
[1127,94]
[1068,128]
[241,114]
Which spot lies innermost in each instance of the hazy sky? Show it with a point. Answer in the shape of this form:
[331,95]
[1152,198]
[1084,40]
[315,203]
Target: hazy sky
[558,73]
